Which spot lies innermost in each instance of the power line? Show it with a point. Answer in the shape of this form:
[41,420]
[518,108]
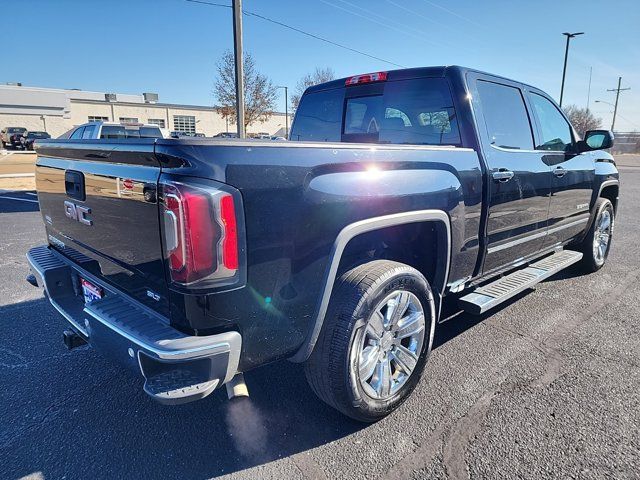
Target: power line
[386,21]
[284,25]
[451,12]
[458,32]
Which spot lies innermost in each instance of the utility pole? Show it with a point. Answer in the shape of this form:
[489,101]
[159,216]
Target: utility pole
[237,50]
[615,107]
[286,112]
[566,55]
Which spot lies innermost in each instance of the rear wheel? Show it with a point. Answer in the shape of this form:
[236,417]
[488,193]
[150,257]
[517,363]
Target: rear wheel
[375,340]
[596,244]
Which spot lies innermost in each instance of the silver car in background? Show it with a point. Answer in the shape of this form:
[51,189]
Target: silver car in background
[107,130]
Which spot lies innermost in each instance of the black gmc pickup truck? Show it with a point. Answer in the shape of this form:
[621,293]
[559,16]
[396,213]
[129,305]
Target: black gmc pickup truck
[194,260]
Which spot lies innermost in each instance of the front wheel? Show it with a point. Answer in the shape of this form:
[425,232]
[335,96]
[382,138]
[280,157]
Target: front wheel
[596,244]
[375,340]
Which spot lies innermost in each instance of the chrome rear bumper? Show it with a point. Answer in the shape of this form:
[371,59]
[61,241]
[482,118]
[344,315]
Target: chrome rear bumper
[177,368]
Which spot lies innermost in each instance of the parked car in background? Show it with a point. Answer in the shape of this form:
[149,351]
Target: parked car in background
[10,136]
[112,130]
[277,138]
[226,135]
[29,137]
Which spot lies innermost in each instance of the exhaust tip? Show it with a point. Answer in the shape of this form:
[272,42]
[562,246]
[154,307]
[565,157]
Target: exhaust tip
[236,387]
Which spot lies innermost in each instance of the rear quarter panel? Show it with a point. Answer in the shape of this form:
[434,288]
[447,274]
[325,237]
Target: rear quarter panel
[297,197]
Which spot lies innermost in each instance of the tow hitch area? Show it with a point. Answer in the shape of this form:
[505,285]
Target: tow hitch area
[72,339]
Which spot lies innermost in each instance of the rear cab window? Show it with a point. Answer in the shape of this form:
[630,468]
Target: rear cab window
[127,131]
[150,132]
[414,111]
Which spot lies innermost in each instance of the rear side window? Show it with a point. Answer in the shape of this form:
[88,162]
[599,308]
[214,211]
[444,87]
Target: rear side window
[505,116]
[88,131]
[319,117]
[417,111]
[77,133]
[556,132]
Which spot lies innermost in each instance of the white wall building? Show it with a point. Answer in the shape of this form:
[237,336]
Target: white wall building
[58,110]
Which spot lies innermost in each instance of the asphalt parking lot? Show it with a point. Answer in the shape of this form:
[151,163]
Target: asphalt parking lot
[546,386]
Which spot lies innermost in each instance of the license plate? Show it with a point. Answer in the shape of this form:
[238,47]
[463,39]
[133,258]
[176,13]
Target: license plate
[90,292]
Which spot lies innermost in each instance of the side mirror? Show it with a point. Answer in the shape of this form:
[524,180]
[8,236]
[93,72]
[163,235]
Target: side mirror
[596,140]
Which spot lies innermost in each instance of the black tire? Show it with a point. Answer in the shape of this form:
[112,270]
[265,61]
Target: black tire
[332,370]
[591,262]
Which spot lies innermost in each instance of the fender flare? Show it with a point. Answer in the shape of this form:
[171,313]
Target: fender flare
[592,214]
[344,237]
[607,183]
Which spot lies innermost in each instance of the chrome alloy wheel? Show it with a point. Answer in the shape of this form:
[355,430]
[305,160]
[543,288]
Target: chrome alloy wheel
[390,344]
[602,236]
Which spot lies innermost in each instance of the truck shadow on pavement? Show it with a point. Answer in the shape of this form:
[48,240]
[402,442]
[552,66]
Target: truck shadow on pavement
[79,415]
[18,202]
[76,414]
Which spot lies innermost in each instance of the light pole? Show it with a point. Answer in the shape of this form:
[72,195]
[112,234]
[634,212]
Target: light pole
[566,55]
[286,111]
[237,53]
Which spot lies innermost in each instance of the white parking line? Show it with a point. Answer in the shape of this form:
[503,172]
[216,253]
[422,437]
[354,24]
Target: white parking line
[18,199]
[17,175]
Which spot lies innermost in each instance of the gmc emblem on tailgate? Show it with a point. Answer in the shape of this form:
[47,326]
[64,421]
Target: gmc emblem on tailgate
[77,212]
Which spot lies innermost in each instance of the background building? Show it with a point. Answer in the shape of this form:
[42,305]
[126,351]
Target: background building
[58,110]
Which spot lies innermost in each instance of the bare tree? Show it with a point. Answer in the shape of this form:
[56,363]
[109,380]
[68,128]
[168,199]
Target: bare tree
[319,75]
[259,92]
[582,119]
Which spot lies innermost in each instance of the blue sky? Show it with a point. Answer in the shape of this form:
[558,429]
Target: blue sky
[171,46]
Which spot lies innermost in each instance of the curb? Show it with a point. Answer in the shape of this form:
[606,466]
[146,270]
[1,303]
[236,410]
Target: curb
[17,175]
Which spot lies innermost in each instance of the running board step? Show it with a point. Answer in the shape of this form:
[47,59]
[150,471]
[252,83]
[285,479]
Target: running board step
[488,296]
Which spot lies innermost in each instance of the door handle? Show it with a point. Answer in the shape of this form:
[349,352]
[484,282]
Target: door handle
[559,172]
[503,175]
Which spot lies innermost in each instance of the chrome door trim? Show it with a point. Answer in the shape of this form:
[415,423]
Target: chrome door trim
[535,236]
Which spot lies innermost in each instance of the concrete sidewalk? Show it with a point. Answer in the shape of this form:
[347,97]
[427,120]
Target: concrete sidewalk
[17,170]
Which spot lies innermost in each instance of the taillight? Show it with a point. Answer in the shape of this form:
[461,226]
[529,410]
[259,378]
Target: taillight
[200,234]
[230,239]
[366,78]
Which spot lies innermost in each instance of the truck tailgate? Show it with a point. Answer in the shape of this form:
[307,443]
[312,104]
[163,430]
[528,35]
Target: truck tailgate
[99,203]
